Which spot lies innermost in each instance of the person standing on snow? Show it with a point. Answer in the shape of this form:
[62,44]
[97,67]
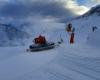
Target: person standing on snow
[70,31]
[94,28]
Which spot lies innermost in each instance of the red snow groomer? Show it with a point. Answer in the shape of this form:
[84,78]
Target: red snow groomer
[40,44]
[40,40]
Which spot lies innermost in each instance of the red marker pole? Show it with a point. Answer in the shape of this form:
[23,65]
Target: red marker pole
[72,38]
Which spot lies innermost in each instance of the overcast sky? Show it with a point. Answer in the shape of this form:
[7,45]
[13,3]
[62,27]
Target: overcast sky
[60,10]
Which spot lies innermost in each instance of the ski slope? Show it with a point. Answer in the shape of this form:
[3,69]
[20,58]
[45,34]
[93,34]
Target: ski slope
[65,62]
[79,61]
[71,62]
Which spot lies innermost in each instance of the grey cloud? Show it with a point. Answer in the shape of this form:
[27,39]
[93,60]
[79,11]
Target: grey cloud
[35,8]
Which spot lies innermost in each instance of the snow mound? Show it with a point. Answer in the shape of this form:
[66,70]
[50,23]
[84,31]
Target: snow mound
[94,38]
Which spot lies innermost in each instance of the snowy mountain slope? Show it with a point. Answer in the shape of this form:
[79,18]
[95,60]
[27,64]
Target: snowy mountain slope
[84,26]
[10,35]
[93,11]
[66,62]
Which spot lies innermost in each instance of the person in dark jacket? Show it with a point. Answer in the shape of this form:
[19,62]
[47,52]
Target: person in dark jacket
[69,27]
[94,28]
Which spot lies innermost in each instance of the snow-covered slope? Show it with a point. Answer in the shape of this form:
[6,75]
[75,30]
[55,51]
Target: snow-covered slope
[94,38]
[93,11]
[84,25]
[65,62]
[10,35]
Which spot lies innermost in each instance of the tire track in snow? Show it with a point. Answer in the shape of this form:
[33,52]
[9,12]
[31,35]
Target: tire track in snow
[80,69]
[35,73]
[55,75]
[77,64]
[88,63]
[59,72]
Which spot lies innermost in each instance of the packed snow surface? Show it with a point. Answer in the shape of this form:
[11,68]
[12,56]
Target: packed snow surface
[78,61]
[65,62]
